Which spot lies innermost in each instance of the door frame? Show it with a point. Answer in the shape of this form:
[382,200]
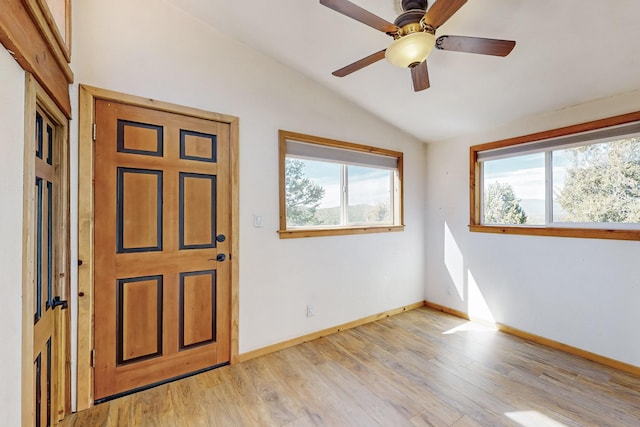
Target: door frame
[36,96]
[86,265]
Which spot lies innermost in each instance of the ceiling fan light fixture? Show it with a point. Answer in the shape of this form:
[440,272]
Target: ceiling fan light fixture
[410,50]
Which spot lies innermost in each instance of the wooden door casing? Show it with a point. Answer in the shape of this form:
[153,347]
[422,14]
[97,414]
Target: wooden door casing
[162,299]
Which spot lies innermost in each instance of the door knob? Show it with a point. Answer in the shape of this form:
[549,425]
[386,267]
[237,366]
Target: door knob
[221,257]
[221,238]
[57,302]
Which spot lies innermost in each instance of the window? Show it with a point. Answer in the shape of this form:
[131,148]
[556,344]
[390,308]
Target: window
[579,181]
[330,187]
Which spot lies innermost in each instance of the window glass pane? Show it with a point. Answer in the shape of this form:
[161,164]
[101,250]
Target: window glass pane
[514,190]
[330,187]
[312,192]
[370,195]
[598,183]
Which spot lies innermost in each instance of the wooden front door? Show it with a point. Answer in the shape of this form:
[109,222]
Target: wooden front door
[162,218]
[49,263]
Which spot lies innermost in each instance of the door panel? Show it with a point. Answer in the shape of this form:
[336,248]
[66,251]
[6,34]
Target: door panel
[162,299]
[197,308]
[197,211]
[139,318]
[139,210]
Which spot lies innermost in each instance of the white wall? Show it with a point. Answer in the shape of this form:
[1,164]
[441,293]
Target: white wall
[581,292]
[149,48]
[12,87]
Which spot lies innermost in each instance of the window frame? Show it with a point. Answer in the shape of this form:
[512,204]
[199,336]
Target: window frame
[287,233]
[475,185]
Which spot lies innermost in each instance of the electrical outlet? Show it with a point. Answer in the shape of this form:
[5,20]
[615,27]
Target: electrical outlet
[311,311]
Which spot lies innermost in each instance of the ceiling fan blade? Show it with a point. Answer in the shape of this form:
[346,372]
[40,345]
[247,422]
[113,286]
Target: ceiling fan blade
[441,11]
[354,11]
[476,45]
[420,76]
[358,65]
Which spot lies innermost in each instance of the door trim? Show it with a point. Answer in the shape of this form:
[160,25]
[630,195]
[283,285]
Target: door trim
[35,96]
[86,173]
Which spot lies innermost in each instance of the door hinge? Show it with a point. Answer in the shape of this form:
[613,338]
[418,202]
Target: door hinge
[93,358]
[93,131]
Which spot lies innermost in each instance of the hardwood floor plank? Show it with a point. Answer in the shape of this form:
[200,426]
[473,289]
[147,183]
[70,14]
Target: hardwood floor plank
[296,382]
[328,391]
[419,368]
[467,422]
[437,413]
[280,406]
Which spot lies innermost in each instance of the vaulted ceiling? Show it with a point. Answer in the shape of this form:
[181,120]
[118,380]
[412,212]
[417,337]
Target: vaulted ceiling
[568,52]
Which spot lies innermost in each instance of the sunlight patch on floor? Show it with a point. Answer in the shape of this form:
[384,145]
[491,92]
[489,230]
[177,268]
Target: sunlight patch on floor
[472,327]
[533,419]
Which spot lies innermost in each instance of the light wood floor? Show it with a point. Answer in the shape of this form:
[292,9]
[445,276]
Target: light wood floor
[420,368]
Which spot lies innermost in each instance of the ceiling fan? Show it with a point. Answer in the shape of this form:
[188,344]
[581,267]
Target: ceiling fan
[413,34]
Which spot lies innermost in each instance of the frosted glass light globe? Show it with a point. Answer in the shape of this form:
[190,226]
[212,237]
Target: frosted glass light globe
[411,49]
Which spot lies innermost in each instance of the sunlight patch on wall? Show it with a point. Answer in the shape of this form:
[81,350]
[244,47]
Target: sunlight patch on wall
[477,305]
[533,419]
[463,280]
[454,261]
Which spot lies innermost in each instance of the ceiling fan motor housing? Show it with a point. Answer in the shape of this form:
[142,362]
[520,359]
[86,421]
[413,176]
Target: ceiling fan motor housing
[414,11]
[415,5]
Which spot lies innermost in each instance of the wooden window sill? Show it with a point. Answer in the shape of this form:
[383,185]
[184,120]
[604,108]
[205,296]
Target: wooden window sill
[584,233]
[298,233]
